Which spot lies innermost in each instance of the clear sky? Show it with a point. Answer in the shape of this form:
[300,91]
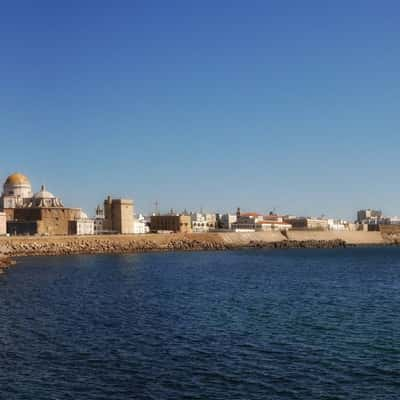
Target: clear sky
[292,105]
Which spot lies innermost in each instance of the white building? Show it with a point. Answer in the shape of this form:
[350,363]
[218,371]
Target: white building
[140,225]
[203,222]
[341,225]
[199,222]
[337,225]
[83,225]
[395,220]
[272,225]
[98,221]
[252,222]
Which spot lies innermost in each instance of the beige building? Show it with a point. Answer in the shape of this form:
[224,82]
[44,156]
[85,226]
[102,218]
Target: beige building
[3,223]
[318,224]
[43,215]
[272,225]
[171,223]
[42,221]
[118,216]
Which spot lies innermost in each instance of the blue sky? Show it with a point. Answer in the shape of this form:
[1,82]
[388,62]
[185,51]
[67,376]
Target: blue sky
[214,104]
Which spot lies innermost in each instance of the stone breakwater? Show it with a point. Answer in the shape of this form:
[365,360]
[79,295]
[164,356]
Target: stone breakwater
[296,244]
[118,244]
[16,247]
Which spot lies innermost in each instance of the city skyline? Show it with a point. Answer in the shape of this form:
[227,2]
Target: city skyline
[204,106]
[157,210]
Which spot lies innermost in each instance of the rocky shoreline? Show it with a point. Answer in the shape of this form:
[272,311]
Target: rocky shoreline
[301,244]
[5,262]
[12,247]
[18,248]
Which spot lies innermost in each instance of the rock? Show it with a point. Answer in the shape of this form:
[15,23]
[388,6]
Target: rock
[5,262]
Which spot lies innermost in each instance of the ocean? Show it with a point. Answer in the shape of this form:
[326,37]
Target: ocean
[247,324]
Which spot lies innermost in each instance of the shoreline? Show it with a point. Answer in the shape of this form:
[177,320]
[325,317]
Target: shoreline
[12,247]
[5,263]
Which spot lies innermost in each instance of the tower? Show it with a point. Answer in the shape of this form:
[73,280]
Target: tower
[118,215]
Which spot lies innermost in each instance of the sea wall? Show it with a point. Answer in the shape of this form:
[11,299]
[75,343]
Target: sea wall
[64,245]
[238,239]
[390,233]
[351,238]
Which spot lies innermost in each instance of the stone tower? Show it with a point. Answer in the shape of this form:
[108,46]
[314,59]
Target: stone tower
[118,215]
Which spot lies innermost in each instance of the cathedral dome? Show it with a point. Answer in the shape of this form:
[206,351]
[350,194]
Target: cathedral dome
[43,194]
[17,191]
[17,179]
[45,199]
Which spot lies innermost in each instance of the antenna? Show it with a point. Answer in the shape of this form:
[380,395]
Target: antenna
[156,207]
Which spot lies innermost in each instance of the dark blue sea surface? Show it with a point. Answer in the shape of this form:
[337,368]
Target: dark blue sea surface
[256,324]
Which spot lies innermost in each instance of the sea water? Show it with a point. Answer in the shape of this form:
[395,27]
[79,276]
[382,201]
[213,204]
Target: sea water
[249,324]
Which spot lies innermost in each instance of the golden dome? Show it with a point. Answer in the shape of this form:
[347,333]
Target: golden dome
[17,179]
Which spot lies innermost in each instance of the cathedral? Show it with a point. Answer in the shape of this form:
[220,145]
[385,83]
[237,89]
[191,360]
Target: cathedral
[40,213]
[17,192]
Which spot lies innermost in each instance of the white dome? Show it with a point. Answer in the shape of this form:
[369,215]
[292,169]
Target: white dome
[43,194]
[45,199]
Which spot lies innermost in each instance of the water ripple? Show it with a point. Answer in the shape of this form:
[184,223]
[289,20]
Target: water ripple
[292,324]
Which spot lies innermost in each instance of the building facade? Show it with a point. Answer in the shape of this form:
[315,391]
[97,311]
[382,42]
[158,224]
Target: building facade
[39,214]
[203,222]
[246,222]
[227,220]
[43,221]
[3,223]
[341,225]
[320,224]
[369,217]
[99,221]
[272,225]
[171,223]
[140,225]
[118,216]
[82,225]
